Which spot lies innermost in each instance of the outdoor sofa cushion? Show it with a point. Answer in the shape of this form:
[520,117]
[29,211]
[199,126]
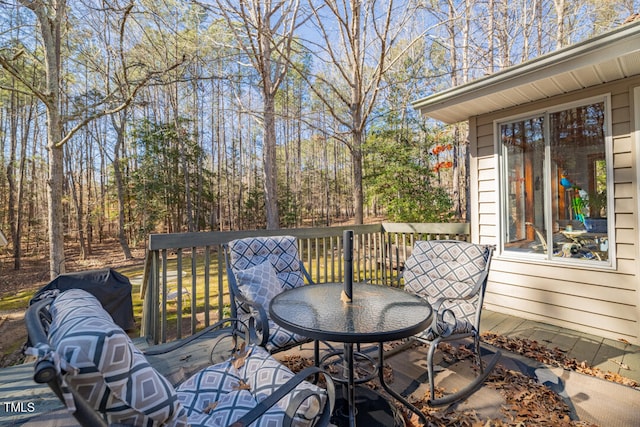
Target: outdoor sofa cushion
[112,374]
[222,393]
[106,368]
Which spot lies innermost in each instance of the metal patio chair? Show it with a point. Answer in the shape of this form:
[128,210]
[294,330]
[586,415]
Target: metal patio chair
[103,379]
[258,268]
[452,276]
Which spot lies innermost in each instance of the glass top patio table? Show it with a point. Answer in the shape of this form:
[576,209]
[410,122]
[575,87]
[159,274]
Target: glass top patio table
[375,314]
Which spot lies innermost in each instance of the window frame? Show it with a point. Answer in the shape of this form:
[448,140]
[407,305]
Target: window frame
[503,194]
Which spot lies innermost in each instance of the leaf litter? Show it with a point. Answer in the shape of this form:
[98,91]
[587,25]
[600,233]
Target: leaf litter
[555,357]
[526,402]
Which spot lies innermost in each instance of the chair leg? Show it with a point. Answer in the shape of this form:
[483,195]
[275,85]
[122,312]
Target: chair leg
[316,359]
[476,348]
[433,346]
[471,387]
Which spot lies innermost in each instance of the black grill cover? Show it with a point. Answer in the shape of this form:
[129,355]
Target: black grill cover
[111,288]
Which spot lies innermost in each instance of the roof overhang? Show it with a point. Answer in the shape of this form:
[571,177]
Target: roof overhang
[602,59]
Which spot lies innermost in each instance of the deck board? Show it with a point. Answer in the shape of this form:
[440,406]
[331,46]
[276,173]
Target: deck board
[35,405]
[17,387]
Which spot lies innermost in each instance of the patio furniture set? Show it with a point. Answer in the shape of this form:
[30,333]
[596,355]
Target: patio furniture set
[99,374]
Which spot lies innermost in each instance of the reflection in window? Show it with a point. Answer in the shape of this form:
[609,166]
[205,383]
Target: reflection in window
[556,191]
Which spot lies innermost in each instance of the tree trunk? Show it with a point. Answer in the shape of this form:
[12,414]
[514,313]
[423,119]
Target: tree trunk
[75,187]
[54,199]
[270,163]
[11,181]
[560,6]
[117,174]
[358,193]
[357,118]
[56,164]
[51,16]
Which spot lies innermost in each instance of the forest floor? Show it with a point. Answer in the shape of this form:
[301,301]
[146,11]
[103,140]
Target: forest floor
[17,286]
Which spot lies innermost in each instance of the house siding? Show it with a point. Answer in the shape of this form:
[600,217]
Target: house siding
[600,301]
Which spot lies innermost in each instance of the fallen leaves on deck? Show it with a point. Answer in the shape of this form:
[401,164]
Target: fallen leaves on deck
[527,402]
[554,357]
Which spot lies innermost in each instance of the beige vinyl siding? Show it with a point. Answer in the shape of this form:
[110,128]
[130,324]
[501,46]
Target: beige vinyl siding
[488,215]
[601,301]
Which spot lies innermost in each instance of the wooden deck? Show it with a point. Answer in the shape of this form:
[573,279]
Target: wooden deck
[23,402]
[608,355]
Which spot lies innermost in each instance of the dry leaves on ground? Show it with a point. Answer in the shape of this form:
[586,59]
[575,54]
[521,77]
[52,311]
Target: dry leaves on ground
[526,401]
[552,356]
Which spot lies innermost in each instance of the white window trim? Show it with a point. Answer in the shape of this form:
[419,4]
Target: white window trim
[610,264]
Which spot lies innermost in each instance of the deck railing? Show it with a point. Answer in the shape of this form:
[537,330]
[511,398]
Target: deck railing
[185,284]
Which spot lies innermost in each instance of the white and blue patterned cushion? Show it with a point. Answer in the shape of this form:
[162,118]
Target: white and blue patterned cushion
[208,386]
[116,379]
[113,375]
[282,253]
[217,388]
[237,403]
[265,374]
[281,338]
[259,284]
[439,270]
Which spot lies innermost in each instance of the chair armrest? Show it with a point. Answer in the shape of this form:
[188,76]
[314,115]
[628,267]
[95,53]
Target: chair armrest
[262,320]
[249,333]
[34,318]
[306,274]
[283,391]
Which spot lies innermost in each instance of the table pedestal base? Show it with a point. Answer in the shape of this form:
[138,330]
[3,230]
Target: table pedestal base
[372,409]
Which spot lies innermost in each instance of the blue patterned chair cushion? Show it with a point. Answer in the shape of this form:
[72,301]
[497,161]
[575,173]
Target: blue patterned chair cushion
[237,403]
[281,338]
[280,251]
[247,259]
[265,374]
[445,271]
[215,396]
[113,375]
[207,386]
[259,284]
[450,326]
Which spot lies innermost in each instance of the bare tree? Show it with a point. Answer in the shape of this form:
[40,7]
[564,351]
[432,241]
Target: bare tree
[265,30]
[52,16]
[356,50]
[561,10]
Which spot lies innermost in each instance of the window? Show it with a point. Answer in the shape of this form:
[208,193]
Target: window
[554,179]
